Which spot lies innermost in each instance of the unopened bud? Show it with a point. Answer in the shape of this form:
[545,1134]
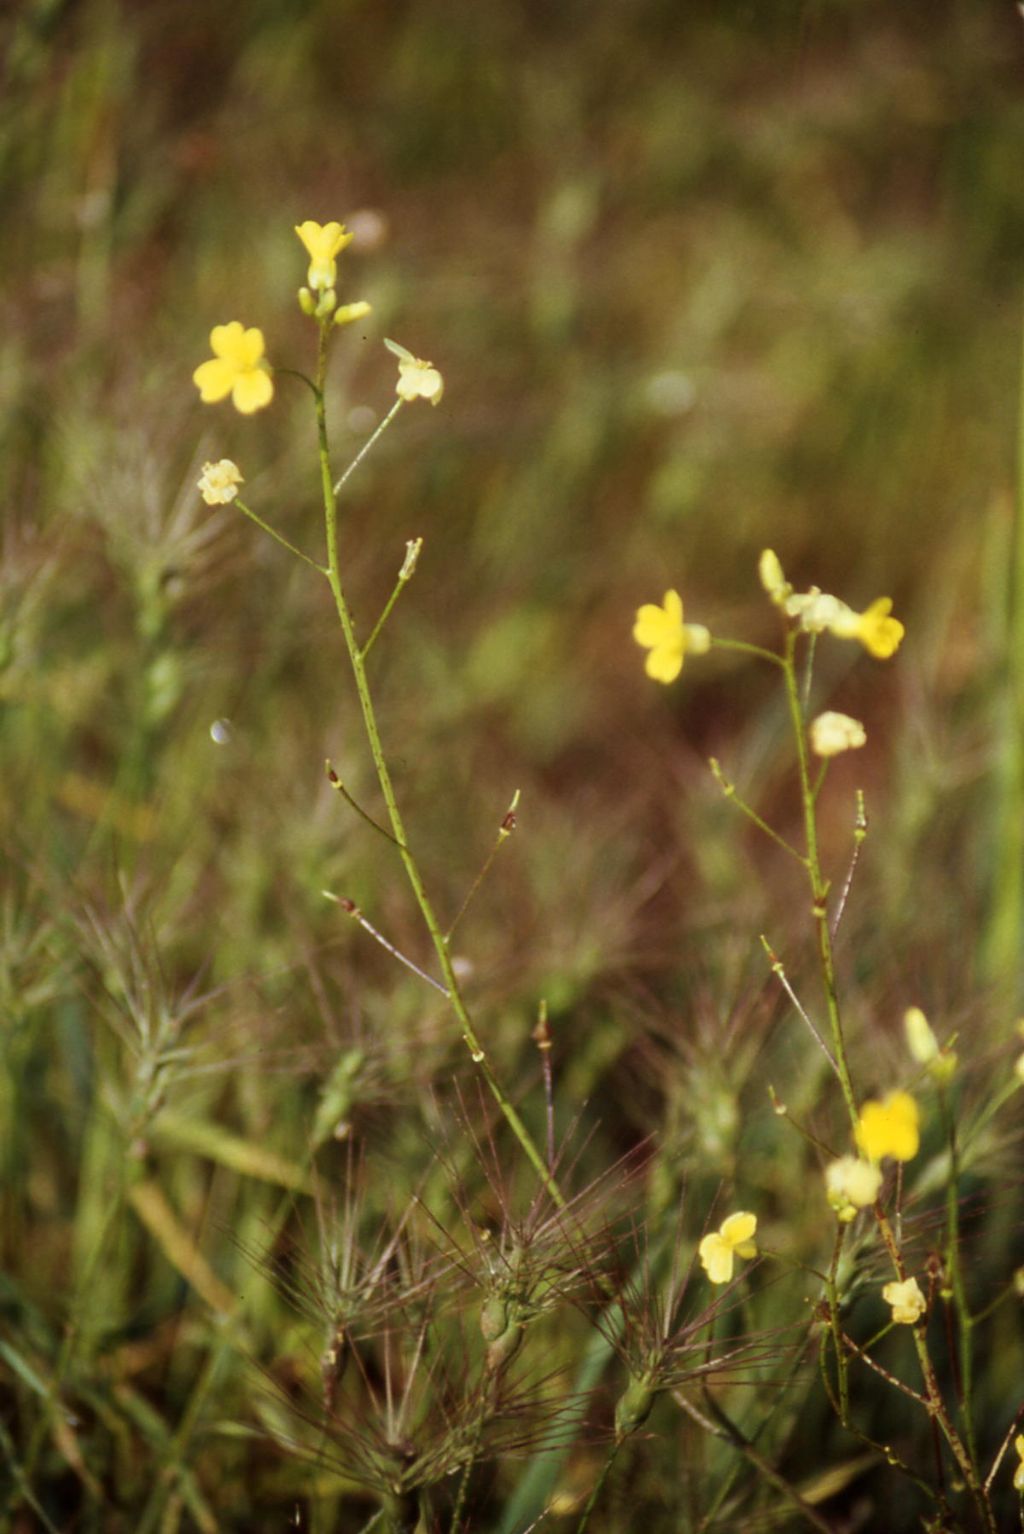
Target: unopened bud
[409,563]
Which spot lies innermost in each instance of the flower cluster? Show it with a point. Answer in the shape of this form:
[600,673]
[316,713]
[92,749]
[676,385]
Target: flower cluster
[661,630]
[239,366]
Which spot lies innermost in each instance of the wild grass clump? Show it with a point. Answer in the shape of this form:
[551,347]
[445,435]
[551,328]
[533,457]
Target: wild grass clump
[342,1219]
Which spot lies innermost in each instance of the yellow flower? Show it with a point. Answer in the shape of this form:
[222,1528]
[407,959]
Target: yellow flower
[907,1301]
[851,1184]
[416,379]
[662,631]
[733,1238]
[237,367]
[1018,1474]
[889,1128]
[878,633]
[219,482]
[323,242]
[832,733]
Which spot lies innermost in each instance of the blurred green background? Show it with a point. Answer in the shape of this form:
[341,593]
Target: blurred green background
[700,278]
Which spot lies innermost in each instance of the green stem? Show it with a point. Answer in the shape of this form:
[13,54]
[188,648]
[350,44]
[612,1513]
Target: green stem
[278,537]
[728,788]
[720,1425]
[472,1042]
[741,647]
[965,1321]
[819,886]
[370,441]
[842,1366]
[599,1485]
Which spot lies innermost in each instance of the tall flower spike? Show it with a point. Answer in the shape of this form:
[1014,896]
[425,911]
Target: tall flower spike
[662,631]
[237,367]
[323,242]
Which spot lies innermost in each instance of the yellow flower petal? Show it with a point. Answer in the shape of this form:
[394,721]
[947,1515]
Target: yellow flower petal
[664,663]
[662,631]
[733,1239]
[252,391]
[653,625]
[716,1258]
[236,368]
[889,1128]
[738,1229]
[878,633]
[323,242]
[213,379]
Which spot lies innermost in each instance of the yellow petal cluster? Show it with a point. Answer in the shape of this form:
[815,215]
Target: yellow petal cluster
[889,1128]
[219,482]
[907,1301]
[1018,1474]
[323,243]
[732,1239]
[851,1184]
[661,630]
[817,611]
[237,367]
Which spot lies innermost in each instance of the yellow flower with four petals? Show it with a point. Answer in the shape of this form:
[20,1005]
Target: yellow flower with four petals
[733,1238]
[237,367]
[662,631]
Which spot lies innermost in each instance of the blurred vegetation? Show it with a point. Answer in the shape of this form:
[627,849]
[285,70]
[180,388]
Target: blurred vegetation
[701,279]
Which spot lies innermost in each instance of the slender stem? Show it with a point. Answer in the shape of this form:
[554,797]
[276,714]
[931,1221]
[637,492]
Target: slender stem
[279,537]
[404,577]
[339,787]
[370,441]
[965,1320]
[741,647]
[819,886]
[719,1425]
[860,831]
[599,1485]
[473,1044]
[505,830]
[778,970]
[728,788]
[832,1290]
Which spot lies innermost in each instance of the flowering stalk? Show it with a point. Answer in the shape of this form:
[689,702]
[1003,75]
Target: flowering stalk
[358,662]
